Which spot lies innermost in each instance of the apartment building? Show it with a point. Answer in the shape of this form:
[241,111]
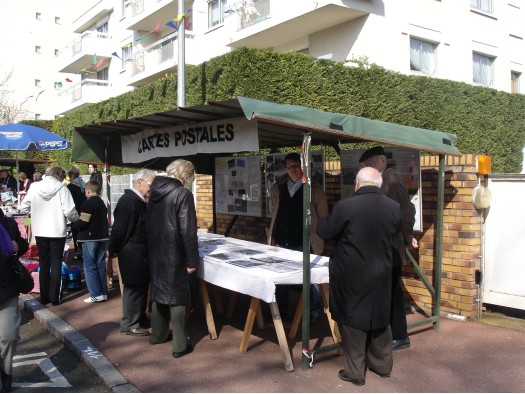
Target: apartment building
[32,35]
[117,45]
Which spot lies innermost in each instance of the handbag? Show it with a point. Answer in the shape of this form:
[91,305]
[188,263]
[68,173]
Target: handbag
[24,280]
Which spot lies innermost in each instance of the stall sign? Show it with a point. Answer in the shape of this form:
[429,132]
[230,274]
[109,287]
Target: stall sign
[221,136]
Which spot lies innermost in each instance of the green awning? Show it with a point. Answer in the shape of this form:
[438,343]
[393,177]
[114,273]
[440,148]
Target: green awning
[279,125]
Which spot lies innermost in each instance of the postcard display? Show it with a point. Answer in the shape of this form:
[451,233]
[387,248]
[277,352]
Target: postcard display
[406,163]
[238,185]
[274,167]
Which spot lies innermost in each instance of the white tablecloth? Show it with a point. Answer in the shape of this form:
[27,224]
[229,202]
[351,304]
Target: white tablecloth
[252,268]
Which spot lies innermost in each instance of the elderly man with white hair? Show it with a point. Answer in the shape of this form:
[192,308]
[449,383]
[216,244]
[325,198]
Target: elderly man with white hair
[128,241]
[364,226]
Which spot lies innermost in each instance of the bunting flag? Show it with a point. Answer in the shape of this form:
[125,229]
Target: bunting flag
[172,25]
[99,63]
[94,60]
[127,45]
[42,91]
[175,23]
[117,56]
[27,98]
[68,80]
[58,85]
[151,32]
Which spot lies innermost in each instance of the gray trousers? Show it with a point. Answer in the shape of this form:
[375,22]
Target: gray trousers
[366,349]
[134,304]
[10,319]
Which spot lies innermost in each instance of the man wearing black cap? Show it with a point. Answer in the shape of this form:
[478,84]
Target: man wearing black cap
[393,188]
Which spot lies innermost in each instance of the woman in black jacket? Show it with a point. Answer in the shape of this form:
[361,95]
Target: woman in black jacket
[173,253]
[12,245]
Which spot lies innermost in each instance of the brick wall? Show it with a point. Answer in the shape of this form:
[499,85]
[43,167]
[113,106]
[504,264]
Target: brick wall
[461,235]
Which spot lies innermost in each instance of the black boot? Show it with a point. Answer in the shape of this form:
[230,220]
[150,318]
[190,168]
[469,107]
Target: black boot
[7,381]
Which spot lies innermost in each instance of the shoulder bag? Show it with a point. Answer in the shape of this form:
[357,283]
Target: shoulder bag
[24,280]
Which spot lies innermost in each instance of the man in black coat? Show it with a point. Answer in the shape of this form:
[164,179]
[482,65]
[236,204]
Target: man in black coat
[128,241]
[394,188]
[95,174]
[364,227]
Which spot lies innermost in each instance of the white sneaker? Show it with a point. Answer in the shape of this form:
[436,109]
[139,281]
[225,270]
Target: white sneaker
[100,298]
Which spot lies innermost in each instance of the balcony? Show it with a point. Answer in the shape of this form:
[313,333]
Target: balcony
[156,60]
[80,53]
[260,22]
[144,14]
[92,16]
[82,94]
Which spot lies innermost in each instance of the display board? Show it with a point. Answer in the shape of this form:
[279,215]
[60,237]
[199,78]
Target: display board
[274,168]
[406,163]
[238,185]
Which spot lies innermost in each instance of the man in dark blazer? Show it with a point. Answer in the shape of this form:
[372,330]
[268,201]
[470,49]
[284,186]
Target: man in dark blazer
[394,188]
[128,241]
[364,227]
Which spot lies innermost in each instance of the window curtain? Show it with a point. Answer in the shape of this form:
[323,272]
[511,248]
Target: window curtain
[482,70]
[422,56]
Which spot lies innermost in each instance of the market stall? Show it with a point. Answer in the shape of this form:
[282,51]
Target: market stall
[214,130]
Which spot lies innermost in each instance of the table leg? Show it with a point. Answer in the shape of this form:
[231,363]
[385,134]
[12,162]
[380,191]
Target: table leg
[297,318]
[336,335]
[207,309]
[248,327]
[218,300]
[259,317]
[281,337]
[231,304]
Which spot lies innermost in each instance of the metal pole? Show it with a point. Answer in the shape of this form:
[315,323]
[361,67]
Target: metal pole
[307,198]
[439,241]
[181,91]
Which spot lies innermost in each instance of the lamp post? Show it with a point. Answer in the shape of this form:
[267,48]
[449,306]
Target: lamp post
[181,90]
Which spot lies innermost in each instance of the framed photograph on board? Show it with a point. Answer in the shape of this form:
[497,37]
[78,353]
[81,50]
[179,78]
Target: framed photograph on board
[238,185]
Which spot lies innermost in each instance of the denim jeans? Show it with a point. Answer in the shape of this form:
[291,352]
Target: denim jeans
[94,253]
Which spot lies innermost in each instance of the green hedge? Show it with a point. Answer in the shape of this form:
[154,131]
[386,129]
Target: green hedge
[486,121]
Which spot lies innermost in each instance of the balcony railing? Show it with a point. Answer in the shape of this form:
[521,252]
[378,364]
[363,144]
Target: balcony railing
[86,42]
[87,89]
[250,12]
[154,54]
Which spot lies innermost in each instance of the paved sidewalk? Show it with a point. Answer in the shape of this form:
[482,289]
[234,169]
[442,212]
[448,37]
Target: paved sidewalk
[460,357]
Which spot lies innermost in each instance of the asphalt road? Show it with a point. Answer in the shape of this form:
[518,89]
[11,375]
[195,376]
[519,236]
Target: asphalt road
[44,365]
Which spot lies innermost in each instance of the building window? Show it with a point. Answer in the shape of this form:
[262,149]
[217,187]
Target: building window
[482,5]
[422,56]
[57,20]
[37,116]
[103,28]
[37,83]
[216,10]
[38,16]
[38,49]
[127,52]
[103,74]
[515,82]
[57,52]
[482,69]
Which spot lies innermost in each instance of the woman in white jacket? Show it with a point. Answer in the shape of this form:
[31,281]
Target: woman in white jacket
[51,205]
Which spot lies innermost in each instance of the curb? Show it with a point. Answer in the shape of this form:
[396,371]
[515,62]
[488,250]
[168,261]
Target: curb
[79,344]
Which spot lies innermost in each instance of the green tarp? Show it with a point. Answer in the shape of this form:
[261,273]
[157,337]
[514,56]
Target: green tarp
[279,125]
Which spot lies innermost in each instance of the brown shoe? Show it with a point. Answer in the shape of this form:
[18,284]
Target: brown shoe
[137,332]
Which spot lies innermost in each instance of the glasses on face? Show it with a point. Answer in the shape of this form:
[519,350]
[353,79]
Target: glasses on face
[143,180]
[293,167]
